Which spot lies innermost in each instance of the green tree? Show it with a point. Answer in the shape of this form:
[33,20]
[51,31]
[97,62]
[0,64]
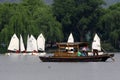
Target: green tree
[28,17]
[78,16]
[5,14]
[41,16]
[110,24]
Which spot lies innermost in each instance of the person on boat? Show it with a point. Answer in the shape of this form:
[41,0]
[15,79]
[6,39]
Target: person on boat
[94,48]
[95,52]
[84,50]
[79,53]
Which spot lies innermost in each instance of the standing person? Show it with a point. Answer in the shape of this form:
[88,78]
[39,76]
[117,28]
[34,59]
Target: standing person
[95,47]
[95,52]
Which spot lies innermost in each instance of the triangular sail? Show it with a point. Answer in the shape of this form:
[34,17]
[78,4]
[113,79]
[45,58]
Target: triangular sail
[34,43]
[22,47]
[14,43]
[29,44]
[70,40]
[41,42]
[96,43]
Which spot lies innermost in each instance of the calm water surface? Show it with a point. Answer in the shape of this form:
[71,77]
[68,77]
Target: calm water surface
[31,68]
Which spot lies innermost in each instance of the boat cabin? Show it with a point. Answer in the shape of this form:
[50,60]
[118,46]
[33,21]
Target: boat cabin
[69,49]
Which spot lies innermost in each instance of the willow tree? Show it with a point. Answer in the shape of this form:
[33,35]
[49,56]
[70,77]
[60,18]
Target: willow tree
[110,24]
[28,17]
[41,17]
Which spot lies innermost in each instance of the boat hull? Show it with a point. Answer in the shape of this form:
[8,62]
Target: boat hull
[100,58]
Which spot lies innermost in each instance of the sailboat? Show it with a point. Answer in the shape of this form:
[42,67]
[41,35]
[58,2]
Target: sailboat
[96,45]
[70,40]
[31,45]
[16,45]
[41,44]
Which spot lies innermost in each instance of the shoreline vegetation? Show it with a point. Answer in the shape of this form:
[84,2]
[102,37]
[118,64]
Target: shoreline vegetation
[58,20]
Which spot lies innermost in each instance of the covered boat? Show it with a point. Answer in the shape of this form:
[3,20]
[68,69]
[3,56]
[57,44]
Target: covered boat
[71,55]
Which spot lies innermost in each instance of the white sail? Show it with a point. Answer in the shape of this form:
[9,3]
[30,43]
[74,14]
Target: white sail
[14,43]
[29,44]
[33,43]
[96,43]
[41,42]
[70,40]
[22,47]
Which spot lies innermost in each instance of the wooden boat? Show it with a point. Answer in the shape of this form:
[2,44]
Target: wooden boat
[63,55]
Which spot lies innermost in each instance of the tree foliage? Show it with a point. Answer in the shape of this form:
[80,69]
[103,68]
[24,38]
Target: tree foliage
[28,17]
[78,16]
[110,24]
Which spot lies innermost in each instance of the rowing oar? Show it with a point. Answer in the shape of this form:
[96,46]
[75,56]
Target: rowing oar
[110,56]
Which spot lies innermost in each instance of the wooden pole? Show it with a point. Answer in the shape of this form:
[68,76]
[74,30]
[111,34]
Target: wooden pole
[106,52]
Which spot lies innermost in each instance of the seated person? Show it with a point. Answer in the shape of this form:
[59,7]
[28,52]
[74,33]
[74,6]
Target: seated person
[84,50]
[79,53]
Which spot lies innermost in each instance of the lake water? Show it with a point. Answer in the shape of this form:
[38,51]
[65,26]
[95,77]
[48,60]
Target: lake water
[31,68]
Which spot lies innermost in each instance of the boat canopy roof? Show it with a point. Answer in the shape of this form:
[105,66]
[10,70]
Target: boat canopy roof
[75,44]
